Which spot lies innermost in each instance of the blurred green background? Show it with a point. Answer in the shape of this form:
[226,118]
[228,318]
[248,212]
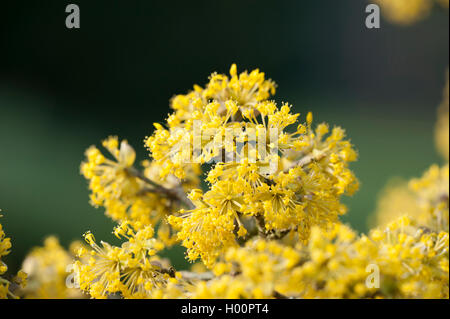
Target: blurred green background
[62,90]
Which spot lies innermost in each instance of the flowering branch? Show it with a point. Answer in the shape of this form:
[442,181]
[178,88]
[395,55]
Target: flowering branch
[308,159]
[176,193]
[261,226]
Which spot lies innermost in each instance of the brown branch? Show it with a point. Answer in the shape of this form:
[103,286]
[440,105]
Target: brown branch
[277,295]
[176,193]
[260,225]
[270,234]
[308,159]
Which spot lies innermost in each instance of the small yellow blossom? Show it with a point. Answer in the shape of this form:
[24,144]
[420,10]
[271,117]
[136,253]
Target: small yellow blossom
[49,271]
[130,195]
[5,284]
[131,270]
[405,12]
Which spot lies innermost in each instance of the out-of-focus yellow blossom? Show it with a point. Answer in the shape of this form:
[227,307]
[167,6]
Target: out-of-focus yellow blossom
[130,195]
[260,230]
[130,271]
[432,191]
[425,199]
[405,12]
[261,269]
[410,263]
[49,270]
[5,246]
[302,190]
[443,3]
[198,268]
[19,280]
[442,125]
[413,260]
[336,263]
[395,200]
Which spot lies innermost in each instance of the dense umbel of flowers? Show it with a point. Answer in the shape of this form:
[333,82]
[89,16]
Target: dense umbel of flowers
[410,262]
[132,270]
[5,284]
[265,224]
[263,231]
[48,269]
[131,195]
[406,12]
[425,199]
[232,118]
[401,261]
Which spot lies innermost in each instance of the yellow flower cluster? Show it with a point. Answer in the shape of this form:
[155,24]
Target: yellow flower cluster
[5,245]
[132,270]
[266,225]
[424,199]
[262,177]
[50,271]
[407,12]
[403,261]
[20,279]
[128,194]
[432,192]
[261,269]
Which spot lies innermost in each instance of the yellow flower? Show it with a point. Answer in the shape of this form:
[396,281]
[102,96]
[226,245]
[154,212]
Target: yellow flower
[405,11]
[49,271]
[265,179]
[131,270]
[261,269]
[127,194]
[432,191]
[395,199]
[426,199]
[339,263]
[266,224]
[20,279]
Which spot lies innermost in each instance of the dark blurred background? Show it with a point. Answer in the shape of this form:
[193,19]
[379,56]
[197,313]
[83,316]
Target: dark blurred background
[62,90]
